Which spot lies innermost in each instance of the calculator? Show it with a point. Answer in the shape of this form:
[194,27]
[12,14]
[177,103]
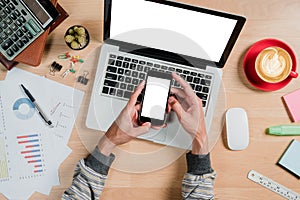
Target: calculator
[22,22]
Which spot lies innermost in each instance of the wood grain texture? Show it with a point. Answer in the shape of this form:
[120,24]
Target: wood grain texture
[265,19]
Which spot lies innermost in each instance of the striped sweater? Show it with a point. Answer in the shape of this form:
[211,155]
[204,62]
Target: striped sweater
[91,173]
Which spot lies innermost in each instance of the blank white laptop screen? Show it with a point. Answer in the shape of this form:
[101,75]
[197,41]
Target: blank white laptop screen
[210,32]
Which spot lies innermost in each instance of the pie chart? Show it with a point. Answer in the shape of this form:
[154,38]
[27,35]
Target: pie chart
[23,108]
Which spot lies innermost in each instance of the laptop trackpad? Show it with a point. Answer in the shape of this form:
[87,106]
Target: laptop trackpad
[172,135]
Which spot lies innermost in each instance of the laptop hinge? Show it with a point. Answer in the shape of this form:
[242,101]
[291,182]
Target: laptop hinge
[161,54]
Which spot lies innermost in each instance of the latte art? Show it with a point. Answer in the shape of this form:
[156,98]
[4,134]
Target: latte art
[273,64]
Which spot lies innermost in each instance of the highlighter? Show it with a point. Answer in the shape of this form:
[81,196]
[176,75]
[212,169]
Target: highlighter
[284,130]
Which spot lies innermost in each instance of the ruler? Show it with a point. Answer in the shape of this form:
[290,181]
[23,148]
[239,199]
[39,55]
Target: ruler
[273,186]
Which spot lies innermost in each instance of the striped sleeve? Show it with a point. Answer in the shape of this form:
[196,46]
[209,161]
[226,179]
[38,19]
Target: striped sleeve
[198,182]
[87,184]
[198,186]
[89,177]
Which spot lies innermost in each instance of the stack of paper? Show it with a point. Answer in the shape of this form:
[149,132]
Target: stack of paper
[292,102]
[30,151]
[290,159]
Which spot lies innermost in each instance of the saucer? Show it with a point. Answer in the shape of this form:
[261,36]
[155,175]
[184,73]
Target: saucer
[249,64]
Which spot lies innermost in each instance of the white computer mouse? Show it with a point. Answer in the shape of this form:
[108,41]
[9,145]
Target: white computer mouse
[237,128]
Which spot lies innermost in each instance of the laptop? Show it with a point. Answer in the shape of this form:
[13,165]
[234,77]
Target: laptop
[143,35]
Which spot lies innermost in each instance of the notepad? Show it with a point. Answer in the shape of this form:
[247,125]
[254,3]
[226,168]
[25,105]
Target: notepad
[290,159]
[292,101]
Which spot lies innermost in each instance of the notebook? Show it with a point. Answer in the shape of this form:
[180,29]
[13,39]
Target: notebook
[290,159]
[292,102]
[165,36]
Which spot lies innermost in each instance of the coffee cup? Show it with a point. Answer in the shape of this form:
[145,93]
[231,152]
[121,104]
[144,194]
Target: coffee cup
[270,64]
[274,65]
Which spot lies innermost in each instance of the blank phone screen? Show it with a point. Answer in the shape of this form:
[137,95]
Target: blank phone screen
[155,98]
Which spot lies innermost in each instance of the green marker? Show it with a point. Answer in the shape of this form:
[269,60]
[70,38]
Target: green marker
[284,130]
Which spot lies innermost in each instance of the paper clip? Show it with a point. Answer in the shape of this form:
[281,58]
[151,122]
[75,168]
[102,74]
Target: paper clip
[64,56]
[54,67]
[82,79]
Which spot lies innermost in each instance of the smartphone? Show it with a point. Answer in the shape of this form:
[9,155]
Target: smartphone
[155,98]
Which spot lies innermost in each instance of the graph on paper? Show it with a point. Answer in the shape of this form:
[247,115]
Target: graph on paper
[2,121]
[3,162]
[32,155]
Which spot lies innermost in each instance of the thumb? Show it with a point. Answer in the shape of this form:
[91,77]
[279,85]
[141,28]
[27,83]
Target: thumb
[176,106]
[140,130]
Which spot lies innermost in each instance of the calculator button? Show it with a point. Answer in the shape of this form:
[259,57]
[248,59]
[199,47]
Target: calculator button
[15,2]
[7,10]
[7,44]
[23,12]
[11,6]
[3,25]
[22,19]
[13,16]
[2,15]
[9,31]
[14,37]
[15,48]
[10,52]
[19,33]
[28,27]
[18,23]
[25,40]
[14,27]
[3,36]
[17,13]
[29,35]
[23,29]
[20,44]
[8,20]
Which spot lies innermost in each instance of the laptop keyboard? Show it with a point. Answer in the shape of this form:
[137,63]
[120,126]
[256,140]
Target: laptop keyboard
[123,74]
[17,28]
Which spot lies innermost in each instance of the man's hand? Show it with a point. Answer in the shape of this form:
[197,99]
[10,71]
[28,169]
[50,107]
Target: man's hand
[125,127]
[188,108]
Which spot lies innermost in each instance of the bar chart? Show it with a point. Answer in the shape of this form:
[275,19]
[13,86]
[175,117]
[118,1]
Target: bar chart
[3,161]
[32,153]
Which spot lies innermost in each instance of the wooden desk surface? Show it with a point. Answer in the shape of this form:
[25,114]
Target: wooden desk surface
[265,19]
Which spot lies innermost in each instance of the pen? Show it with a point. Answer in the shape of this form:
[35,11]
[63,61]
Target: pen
[284,130]
[32,99]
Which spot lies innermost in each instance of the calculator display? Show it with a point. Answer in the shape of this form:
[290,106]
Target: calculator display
[38,8]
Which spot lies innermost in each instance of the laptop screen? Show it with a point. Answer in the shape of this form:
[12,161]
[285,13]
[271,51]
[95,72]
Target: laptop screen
[211,31]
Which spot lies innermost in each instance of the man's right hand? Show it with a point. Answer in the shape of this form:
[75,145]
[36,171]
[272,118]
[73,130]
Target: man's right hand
[188,108]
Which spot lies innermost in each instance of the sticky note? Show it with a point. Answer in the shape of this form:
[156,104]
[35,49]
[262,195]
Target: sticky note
[290,159]
[292,101]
